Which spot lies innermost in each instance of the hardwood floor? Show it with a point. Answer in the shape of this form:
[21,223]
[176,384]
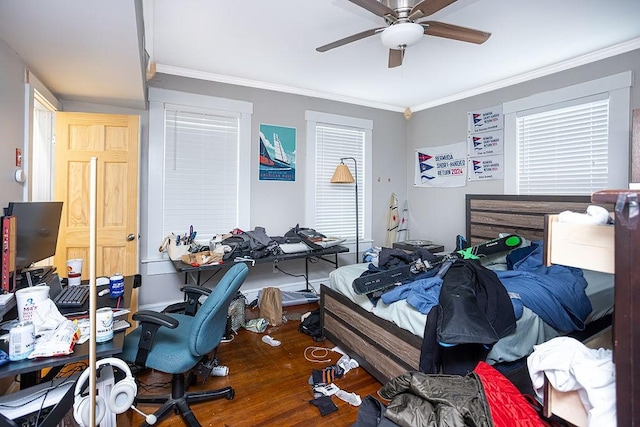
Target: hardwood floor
[271,383]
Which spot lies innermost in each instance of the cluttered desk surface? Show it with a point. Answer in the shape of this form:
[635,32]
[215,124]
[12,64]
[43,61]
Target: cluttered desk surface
[332,250]
[80,351]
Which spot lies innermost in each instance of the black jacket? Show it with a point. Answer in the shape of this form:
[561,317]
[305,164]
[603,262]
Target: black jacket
[473,313]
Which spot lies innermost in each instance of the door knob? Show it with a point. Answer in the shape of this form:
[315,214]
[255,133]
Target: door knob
[131,237]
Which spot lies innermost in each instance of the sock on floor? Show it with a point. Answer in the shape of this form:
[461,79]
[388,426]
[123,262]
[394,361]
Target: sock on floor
[351,398]
[327,375]
[324,404]
[346,363]
[326,390]
[267,339]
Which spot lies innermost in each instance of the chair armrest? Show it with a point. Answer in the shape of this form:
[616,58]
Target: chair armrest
[196,289]
[155,317]
[150,321]
[193,294]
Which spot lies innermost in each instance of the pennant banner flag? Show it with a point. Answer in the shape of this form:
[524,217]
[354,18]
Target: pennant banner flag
[485,120]
[486,143]
[486,168]
[444,166]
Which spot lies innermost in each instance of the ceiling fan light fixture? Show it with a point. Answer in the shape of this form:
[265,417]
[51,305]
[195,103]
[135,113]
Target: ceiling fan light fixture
[401,35]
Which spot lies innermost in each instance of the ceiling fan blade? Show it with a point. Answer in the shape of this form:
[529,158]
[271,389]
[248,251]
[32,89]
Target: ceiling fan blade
[395,57]
[455,32]
[375,7]
[428,7]
[349,39]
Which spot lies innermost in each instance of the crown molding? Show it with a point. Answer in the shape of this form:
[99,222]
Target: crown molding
[220,78]
[541,72]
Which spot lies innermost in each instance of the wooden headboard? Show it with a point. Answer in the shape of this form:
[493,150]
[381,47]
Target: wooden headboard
[489,214]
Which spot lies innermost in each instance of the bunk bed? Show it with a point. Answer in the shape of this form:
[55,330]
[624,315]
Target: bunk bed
[387,339]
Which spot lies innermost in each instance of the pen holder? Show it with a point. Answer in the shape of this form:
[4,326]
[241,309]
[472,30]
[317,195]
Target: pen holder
[174,250]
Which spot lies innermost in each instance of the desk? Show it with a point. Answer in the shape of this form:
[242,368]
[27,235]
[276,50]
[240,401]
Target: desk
[80,352]
[29,369]
[181,267]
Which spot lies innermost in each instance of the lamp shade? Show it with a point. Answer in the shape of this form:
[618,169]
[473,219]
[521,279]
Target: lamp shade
[401,35]
[342,175]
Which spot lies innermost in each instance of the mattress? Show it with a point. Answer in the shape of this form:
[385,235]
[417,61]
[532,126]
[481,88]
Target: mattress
[530,329]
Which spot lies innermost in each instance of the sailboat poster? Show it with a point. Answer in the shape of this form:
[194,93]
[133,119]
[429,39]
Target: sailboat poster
[277,153]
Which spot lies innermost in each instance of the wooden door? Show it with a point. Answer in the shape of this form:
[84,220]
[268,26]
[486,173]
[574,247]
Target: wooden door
[113,140]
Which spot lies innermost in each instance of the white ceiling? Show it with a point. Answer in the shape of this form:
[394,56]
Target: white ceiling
[89,49]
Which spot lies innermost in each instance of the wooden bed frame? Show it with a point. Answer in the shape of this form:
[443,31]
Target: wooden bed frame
[384,349]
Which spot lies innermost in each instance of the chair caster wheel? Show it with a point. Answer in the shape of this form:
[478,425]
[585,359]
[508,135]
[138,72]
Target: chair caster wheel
[230,395]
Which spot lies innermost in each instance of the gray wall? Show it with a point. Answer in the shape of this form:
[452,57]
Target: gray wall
[277,206]
[438,213]
[12,119]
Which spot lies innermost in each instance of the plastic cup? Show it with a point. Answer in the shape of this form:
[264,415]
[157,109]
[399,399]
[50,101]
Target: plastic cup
[74,271]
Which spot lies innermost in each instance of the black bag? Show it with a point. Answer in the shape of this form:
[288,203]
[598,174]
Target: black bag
[312,326]
[308,235]
[240,246]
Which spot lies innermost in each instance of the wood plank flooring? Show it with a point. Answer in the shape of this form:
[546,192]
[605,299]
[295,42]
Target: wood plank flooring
[271,383]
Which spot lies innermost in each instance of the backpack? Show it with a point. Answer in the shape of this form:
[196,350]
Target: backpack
[312,326]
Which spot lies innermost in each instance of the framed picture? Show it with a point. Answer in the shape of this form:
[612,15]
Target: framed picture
[277,153]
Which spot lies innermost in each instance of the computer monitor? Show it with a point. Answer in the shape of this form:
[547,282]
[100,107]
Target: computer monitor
[36,232]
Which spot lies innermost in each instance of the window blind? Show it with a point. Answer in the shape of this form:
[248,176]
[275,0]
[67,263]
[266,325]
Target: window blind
[200,172]
[335,204]
[564,151]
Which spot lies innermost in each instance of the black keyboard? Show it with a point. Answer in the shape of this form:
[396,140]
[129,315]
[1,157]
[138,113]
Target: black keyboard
[72,296]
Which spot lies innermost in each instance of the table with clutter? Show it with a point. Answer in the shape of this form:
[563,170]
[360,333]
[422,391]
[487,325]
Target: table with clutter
[30,368]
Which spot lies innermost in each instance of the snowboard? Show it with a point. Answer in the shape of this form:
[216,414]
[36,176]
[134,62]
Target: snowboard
[491,247]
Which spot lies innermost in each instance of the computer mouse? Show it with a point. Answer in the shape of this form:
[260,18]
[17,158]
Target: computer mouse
[102,281]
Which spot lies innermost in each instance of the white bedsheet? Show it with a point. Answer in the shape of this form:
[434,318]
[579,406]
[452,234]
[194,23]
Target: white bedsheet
[530,329]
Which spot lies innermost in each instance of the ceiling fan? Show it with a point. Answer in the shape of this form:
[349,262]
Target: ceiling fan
[402,30]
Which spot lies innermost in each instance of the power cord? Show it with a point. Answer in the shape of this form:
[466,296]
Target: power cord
[275,266]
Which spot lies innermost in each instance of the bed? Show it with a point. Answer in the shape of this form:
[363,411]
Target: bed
[387,339]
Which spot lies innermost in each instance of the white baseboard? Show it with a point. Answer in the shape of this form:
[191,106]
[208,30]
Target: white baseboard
[250,294]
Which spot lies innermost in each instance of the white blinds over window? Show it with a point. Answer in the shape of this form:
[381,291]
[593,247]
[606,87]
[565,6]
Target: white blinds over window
[201,172]
[564,151]
[335,203]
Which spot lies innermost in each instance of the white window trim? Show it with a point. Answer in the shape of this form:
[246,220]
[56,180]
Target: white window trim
[34,88]
[158,98]
[616,86]
[313,118]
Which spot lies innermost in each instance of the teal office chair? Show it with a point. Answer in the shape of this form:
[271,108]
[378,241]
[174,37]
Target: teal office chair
[176,343]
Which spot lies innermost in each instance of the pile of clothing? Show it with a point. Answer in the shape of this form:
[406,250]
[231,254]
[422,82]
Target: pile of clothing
[483,398]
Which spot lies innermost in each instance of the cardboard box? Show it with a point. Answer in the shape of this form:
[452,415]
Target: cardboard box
[578,245]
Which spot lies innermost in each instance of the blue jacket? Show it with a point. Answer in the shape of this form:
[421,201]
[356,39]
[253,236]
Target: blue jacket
[555,293]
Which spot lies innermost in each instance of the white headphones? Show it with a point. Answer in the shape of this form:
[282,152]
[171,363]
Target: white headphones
[121,397]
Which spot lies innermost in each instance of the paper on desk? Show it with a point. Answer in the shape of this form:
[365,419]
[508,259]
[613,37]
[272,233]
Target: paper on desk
[46,317]
[84,325]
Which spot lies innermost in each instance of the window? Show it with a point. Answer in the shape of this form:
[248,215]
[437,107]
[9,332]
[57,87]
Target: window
[564,151]
[569,141]
[43,125]
[38,155]
[200,171]
[331,208]
[199,159]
